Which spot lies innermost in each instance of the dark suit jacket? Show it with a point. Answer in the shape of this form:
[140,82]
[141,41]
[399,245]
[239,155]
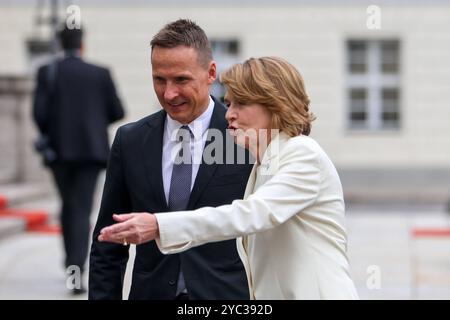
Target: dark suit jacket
[73,105]
[134,184]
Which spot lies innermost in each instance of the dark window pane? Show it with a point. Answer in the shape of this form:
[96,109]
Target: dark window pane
[357,56]
[391,124]
[225,53]
[358,100]
[358,94]
[390,116]
[390,110]
[38,46]
[233,47]
[218,90]
[358,107]
[225,47]
[390,56]
[358,116]
[390,98]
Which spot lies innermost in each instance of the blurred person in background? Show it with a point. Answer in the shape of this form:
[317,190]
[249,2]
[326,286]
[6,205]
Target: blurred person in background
[293,240]
[74,103]
[143,175]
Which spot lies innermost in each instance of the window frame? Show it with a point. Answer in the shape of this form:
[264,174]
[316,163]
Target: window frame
[374,81]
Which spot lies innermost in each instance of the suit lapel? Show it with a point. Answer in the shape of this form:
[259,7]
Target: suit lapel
[206,171]
[152,154]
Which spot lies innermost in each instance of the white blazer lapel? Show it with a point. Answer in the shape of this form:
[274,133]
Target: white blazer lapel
[250,183]
[270,162]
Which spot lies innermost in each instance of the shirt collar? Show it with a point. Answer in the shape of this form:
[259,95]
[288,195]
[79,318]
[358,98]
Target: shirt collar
[198,127]
[76,53]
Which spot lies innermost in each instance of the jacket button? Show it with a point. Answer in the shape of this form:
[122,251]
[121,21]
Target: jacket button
[171,282]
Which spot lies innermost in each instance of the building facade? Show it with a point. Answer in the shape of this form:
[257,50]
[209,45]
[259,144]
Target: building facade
[381,95]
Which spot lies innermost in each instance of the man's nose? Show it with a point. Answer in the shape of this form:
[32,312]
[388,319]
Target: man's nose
[171,92]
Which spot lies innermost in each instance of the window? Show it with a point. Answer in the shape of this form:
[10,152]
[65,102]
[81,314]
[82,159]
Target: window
[39,53]
[373,85]
[226,54]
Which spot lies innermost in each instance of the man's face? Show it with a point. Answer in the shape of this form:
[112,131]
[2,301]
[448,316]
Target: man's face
[181,83]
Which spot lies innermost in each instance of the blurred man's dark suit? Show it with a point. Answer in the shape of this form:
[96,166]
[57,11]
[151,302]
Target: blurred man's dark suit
[73,105]
[134,184]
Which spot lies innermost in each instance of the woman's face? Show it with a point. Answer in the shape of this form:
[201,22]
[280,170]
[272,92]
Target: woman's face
[249,124]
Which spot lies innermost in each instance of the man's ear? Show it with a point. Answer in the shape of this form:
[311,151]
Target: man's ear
[212,72]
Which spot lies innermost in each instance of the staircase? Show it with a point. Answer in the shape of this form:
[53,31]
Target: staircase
[27,208]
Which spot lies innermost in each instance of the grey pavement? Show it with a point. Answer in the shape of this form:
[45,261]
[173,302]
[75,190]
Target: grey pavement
[381,244]
[386,261]
[32,264]
[32,268]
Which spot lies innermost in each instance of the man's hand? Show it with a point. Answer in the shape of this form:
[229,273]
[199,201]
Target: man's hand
[132,228]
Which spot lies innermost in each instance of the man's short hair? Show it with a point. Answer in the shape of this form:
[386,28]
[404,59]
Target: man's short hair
[70,38]
[184,32]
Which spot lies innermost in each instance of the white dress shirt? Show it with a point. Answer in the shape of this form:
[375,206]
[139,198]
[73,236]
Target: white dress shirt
[171,147]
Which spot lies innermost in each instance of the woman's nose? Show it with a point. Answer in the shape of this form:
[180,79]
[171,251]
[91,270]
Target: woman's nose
[230,115]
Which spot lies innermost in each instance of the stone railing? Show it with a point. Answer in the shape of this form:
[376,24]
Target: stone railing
[18,161]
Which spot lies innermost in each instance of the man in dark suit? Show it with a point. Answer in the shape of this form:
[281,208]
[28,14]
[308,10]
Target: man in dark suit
[142,176]
[73,104]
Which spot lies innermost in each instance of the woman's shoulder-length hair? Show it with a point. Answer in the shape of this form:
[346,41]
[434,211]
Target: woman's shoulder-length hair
[276,84]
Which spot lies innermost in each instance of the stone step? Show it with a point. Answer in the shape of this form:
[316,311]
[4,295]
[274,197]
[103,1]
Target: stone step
[10,226]
[18,193]
[27,207]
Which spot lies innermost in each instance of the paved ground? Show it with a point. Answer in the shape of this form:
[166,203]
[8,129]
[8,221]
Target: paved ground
[386,261]
[381,244]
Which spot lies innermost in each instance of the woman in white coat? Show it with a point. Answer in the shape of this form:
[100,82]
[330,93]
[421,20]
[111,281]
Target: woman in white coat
[290,225]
